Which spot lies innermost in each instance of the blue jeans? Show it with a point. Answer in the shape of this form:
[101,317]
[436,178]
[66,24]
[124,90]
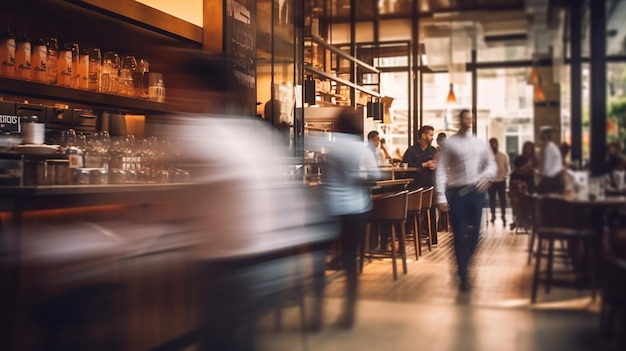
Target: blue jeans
[466,208]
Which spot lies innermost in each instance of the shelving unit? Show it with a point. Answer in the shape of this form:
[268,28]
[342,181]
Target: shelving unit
[127,27]
[320,68]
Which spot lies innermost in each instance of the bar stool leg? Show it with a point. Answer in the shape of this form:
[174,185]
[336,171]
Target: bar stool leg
[393,252]
[416,239]
[403,246]
[418,231]
[550,263]
[531,244]
[430,234]
[533,296]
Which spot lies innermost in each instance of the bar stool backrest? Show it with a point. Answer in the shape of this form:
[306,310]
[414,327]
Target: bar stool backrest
[555,212]
[390,208]
[415,200]
[427,198]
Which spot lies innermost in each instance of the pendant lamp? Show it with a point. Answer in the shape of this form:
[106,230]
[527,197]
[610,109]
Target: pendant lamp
[539,95]
[451,97]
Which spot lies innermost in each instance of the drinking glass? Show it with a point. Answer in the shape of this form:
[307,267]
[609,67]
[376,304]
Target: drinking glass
[128,72]
[110,72]
[68,138]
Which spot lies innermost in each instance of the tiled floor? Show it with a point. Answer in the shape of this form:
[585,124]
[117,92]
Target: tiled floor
[424,309]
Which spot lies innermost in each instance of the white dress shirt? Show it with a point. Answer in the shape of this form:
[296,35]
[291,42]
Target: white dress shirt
[551,160]
[348,164]
[504,167]
[463,161]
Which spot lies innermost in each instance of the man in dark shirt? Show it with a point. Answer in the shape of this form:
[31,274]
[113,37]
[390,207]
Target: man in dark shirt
[422,156]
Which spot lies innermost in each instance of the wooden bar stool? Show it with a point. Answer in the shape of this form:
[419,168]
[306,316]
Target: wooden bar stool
[414,211]
[560,220]
[388,210]
[427,203]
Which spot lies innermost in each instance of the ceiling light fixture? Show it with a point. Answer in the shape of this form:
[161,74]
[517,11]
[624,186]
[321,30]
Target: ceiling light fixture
[451,99]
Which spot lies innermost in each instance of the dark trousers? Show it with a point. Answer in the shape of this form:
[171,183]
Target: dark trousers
[465,214]
[352,233]
[497,189]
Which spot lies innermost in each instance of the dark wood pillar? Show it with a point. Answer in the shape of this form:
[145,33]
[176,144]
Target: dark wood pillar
[598,86]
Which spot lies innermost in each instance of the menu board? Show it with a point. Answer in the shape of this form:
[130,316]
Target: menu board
[240,48]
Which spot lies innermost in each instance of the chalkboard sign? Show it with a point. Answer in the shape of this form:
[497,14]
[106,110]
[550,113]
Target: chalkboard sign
[240,48]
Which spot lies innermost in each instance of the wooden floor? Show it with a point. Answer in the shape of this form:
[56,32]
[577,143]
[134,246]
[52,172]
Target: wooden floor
[424,309]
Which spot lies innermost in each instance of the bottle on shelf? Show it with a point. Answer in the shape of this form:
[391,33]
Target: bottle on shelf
[83,69]
[39,57]
[52,61]
[7,55]
[23,58]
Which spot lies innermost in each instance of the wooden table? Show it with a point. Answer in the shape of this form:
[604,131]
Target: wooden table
[394,170]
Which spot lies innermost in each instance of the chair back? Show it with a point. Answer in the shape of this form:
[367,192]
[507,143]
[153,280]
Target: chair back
[555,212]
[427,198]
[415,200]
[390,208]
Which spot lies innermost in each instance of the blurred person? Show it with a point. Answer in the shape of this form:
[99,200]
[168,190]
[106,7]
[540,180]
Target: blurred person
[442,221]
[615,161]
[349,164]
[524,168]
[247,225]
[522,178]
[464,172]
[441,140]
[551,164]
[422,156]
[373,144]
[383,148]
[498,185]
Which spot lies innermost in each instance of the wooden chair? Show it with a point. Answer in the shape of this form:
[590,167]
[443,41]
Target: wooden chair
[560,220]
[391,211]
[427,203]
[414,211]
[613,282]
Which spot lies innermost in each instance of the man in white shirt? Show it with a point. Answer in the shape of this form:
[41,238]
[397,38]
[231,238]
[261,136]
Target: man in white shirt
[498,186]
[551,164]
[465,170]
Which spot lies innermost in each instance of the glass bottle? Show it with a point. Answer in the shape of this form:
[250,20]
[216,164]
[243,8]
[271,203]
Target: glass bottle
[7,55]
[23,58]
[38,60]
[52,61]
[83,69]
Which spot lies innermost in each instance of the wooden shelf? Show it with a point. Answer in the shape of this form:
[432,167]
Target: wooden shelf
[28,89]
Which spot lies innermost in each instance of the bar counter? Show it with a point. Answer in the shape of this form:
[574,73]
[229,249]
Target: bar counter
[42,197]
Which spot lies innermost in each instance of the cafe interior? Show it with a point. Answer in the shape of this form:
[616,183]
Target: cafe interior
[167,174]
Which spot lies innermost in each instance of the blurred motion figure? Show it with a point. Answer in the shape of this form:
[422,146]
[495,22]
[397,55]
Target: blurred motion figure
[349,164]
[464,172]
